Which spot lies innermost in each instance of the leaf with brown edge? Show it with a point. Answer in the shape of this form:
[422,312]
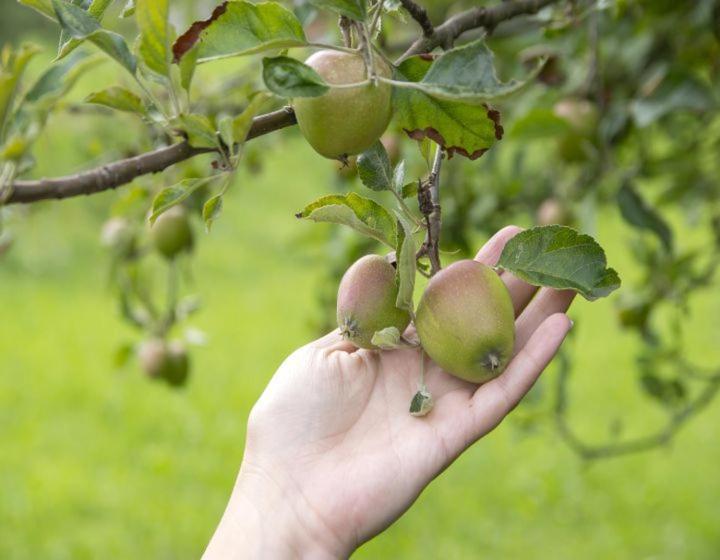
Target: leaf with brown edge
[187,40]
[459,127]
[239,27]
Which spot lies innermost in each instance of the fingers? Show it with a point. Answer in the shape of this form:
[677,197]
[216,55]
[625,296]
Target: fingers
[546,303]
[494,400]
[490,252]
[520,292]
[333,341]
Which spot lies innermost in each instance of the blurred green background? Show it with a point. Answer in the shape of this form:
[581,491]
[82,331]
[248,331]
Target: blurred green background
[95,461]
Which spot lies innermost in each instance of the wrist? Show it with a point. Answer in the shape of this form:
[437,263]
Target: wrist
[266,519]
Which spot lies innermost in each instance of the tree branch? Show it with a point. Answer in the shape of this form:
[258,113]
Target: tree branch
[429,203]
[123,171]
[419,14]
[445,34]
[661,437]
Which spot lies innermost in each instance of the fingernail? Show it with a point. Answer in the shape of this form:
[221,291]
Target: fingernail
[572,323]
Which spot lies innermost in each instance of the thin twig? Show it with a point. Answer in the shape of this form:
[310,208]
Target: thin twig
[123,171]
[659,438]
[420,15]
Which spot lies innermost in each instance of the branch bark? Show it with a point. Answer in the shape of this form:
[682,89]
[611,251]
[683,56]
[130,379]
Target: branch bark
[444,35]
[118,173]
[419,14]
[123,171]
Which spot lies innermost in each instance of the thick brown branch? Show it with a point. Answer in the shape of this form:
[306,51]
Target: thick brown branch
[445,34]
[120,172]
[123,171]
[419,14]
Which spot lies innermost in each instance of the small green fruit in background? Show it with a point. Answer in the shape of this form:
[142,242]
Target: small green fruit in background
[577,144]
[344,121]
[171,233]
[153,358]
[118,235]
[179,364]
[162,360]
[465,321]
[553,211]
[366,301]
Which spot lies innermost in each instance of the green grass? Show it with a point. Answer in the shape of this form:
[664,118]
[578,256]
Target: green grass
[97,462]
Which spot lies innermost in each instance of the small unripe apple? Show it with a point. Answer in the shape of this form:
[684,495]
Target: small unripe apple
[118,235]
[553,211]
[171,233]
[345,121]
[162,360]
[577,143]
[153,357]
[179,364]
[366,301]
[465,321]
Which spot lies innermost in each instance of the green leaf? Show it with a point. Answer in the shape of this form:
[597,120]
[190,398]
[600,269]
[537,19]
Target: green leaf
[155,34]
[43,7]
[68,44]
[287,77]
[59,78]
[362,214]
[238,28]
[354,9]
[12,67]
[212,210]
[406,265]
[387,339]
[458,127]
[199,129]
[559,257]
[129,9]
[398,178]
[374,168]
[170,196]
[410,189]
[77,23]
[466,74]
[674,94]
[422,403]
[639,213]
[539,123]
[187,66]
[243,122]
[118,98]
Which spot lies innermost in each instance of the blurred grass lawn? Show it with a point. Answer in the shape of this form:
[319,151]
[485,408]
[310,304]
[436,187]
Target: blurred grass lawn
[96,462]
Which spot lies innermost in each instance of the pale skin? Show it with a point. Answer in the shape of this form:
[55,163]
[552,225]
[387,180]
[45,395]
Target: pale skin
[332,457]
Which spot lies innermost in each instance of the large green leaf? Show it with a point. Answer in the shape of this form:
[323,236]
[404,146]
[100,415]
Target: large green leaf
[288,77]
[155,34]
[61,76]
[559,257]
[42,6]
[465,74]
[637,212]
[362,214]
[374,168]
[77,23]
[67,43]
[238,27]
[354,9]
[464,128]
[12,67]
[170,196]
[118,98]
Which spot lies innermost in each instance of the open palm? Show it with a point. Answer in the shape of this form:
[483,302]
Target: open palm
[332,429]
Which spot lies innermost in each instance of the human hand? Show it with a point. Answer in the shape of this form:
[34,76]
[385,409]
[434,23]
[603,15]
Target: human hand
[332,456]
